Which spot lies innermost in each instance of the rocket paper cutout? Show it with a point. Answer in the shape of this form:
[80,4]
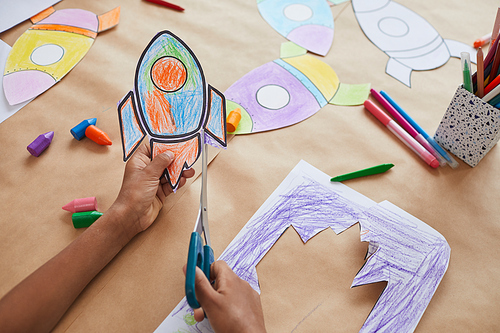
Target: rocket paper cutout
[308,23]
[288,90]
[172,105]
[407,38]
[48,50]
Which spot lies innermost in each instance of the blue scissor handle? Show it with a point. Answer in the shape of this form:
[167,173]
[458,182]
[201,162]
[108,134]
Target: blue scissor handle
[201,256]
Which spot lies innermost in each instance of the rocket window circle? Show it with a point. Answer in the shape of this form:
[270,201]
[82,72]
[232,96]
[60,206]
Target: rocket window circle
[393,26]
[168,74]
[298,12]
[273,97]
[47,54]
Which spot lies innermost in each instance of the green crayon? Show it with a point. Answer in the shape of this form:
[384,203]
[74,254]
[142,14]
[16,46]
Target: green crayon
[85,219]
[365,172]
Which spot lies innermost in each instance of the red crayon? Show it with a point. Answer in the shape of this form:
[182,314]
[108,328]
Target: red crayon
[166,4]
[97,135]
[81,205]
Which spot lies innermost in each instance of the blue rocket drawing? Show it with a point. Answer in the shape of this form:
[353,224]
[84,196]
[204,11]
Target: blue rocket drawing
[407,38]
[171,104]
[307,23]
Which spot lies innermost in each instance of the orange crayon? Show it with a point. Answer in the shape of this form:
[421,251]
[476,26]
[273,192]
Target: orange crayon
[233,120]
[97,135]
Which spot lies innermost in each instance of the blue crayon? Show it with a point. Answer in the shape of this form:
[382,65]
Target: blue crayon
[79,130]
[420,130]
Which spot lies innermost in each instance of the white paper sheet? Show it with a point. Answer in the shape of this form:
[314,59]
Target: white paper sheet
[14,12]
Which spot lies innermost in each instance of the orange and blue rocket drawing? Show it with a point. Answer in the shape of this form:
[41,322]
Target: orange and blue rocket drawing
[409,40]
[288,90]
[307,23]
[48,50]
[173,105]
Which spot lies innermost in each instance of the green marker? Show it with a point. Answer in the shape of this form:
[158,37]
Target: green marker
[85,219]
[465,57]
[365,172]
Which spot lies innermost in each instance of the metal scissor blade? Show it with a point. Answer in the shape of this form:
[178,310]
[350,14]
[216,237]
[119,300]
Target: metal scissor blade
[202,220]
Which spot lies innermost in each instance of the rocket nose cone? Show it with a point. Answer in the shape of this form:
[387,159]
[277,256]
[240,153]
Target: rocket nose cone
[25,85]
[315,38]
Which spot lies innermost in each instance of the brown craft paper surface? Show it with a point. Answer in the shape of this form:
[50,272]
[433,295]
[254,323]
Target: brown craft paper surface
[305,288]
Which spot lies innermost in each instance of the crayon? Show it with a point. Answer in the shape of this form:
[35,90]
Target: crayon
[85,219]
[98,136]
[81,205]
[40,143]
[79,130]
[233,120]
[364,172]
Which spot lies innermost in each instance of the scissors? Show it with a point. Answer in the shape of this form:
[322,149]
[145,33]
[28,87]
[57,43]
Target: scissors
[199,255]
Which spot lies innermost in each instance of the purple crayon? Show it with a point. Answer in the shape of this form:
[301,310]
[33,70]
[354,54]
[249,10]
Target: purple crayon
[40,143]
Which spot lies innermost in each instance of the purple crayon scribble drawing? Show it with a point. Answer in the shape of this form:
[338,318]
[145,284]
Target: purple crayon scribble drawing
[408,254]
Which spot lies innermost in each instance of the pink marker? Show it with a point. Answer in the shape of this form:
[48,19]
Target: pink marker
[81,205]
[401,134]
[407,126]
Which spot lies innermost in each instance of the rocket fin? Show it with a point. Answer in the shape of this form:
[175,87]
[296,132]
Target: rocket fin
[399,71]
[109,20]
[216,120]
[43,14]
[351,94]
[131,130]
[456,48]
[186,153]
[290,49]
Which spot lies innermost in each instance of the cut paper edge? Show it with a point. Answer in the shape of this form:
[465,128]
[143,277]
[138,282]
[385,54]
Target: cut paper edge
[351,94]
[109,19]
[42,15]
[290,49]
[186,153]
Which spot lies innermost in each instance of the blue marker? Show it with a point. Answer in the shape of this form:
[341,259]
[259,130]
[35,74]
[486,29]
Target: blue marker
[420,130]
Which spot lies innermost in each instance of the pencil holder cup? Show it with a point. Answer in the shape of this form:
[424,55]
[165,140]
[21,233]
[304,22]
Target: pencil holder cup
[469,128]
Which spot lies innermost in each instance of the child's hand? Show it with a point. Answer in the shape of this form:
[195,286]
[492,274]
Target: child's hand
[231,304]
[143,193]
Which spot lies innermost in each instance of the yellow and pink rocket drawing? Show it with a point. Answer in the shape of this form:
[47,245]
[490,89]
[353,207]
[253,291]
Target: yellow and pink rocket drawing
[48,50]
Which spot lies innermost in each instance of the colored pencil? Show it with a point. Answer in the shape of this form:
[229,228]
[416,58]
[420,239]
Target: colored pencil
[166,4]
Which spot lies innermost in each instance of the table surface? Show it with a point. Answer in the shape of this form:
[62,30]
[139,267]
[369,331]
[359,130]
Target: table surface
[140,287]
